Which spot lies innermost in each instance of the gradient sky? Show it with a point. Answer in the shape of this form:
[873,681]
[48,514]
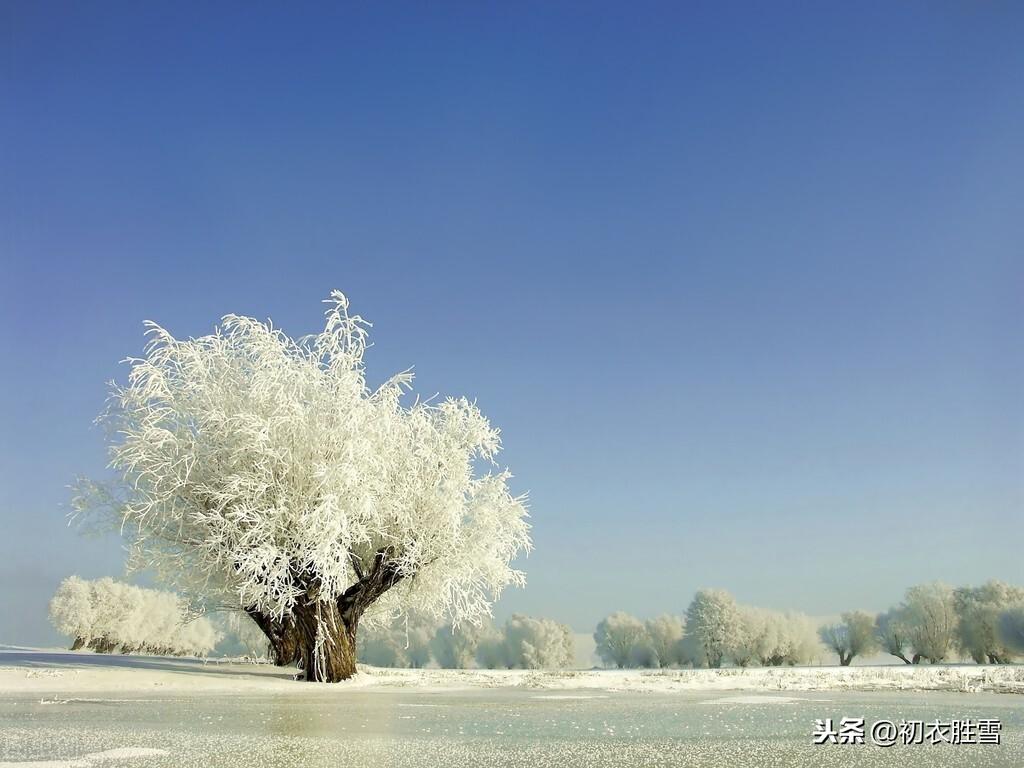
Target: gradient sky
[742,285]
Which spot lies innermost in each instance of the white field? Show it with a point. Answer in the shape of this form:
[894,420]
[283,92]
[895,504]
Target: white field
[49,673]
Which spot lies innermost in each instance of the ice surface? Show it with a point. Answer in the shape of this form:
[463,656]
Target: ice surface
[65,710]
[484,727]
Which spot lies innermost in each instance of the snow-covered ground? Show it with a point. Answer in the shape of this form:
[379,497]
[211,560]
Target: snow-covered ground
[44,672]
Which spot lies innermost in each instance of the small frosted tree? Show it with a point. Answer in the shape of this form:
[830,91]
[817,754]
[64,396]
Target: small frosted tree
[260,473]
[978,610]
[665,635]
[799,643]
[772,638]
[616,637]
[893,634]
[853,636]
[456,647]
[72,611]
[643,655]
[757,636]
[538,643]
[491,649]
[931,620]
[713,625]
[110,601]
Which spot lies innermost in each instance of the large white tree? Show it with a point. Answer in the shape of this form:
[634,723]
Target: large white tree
[538,643]
[665,634]
[259,472]
[978,614]
[772,638]
[931,620]
[713,627]
[73,611]
[617,636]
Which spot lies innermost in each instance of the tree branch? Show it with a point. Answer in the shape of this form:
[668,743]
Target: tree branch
[356,565]
[383,576]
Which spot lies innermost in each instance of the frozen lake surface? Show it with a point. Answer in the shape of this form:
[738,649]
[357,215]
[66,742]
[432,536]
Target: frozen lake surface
[488,727]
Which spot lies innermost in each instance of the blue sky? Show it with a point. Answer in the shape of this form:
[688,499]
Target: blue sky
[741,284]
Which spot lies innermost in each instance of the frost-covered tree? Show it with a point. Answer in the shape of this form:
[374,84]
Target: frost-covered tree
[111,601]
[538,643]
[772,638]
[456,647]
[259,472]
[799,641]
[929,611]
[712,627]
[1011,628]
[382,646]
[72,611]
[853,636]
[978,610]
[756,638]
[643,655]
[403,643]
[106,615]
[196,637]
[893,634]
[491,649]
[418,635]
[665,635]
[617,636]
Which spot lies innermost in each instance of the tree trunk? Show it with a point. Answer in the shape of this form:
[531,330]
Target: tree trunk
[844,660]
[916,659]
[286,649]
[79,643]
[282,637]
[103,645]
[320,634]
[327,642]
[902,658]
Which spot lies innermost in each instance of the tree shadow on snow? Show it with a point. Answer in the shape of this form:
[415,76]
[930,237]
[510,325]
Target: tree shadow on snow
[27,659]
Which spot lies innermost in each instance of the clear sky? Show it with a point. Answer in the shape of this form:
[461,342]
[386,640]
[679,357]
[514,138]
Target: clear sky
[741,284]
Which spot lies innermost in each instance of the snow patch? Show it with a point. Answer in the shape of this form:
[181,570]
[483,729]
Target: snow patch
[759,700]
[88,760]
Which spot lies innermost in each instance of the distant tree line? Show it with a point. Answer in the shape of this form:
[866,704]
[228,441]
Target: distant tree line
[936,623]
[523,642]
[933,623]
[110,617]
[714,630]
